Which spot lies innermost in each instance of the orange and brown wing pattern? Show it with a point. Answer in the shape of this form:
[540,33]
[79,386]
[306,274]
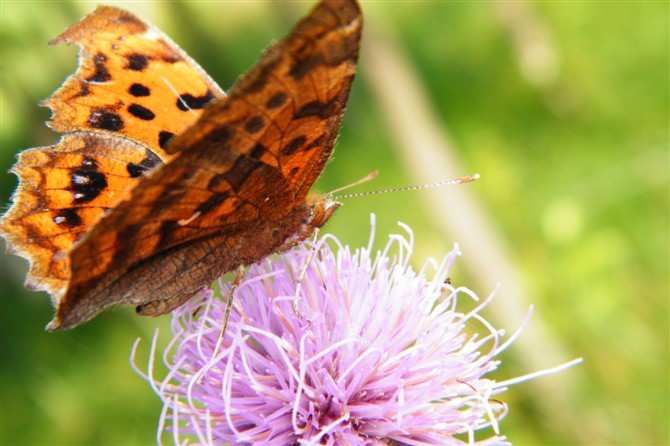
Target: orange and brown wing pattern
[131,79]
[133,91]
[287,110]
[236,190]
[64,190]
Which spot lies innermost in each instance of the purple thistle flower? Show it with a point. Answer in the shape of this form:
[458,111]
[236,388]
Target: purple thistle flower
[378,354]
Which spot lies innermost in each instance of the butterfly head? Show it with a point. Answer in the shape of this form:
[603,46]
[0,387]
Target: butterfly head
[321,208]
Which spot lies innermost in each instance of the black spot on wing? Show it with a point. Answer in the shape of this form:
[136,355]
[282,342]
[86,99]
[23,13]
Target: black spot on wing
[293,145]
[148,163]
[136,62]
[254,124]
[258,151]
[101,74]
[141,112]
[164,138]
[318,142]
[277,100]
[317,108]
[103,119]
[139,90]
[67,217]
[187,101]
[303,66]
[87,182]
[84,89]
[220,136]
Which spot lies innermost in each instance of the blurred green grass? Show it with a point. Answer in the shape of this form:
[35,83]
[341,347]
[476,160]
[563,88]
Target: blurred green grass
[574,163]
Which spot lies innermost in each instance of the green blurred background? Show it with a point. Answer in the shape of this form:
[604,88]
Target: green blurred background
[562,107]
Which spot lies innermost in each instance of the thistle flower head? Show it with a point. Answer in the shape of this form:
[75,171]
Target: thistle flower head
[377,353]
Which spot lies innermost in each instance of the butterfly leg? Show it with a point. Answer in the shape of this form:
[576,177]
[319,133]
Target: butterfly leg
[303,272]
[162,306]
[239,275]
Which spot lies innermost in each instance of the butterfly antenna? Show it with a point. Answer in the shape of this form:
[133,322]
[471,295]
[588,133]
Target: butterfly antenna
[465,179]
[365,179]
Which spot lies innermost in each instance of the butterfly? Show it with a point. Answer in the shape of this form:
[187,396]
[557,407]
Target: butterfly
[161,182]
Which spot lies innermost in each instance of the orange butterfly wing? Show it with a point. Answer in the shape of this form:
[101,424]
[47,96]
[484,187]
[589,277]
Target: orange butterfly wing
[131,80]
[62,192]
[127,70]
[236,189]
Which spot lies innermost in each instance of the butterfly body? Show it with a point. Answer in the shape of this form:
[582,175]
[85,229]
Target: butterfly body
[136,207]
